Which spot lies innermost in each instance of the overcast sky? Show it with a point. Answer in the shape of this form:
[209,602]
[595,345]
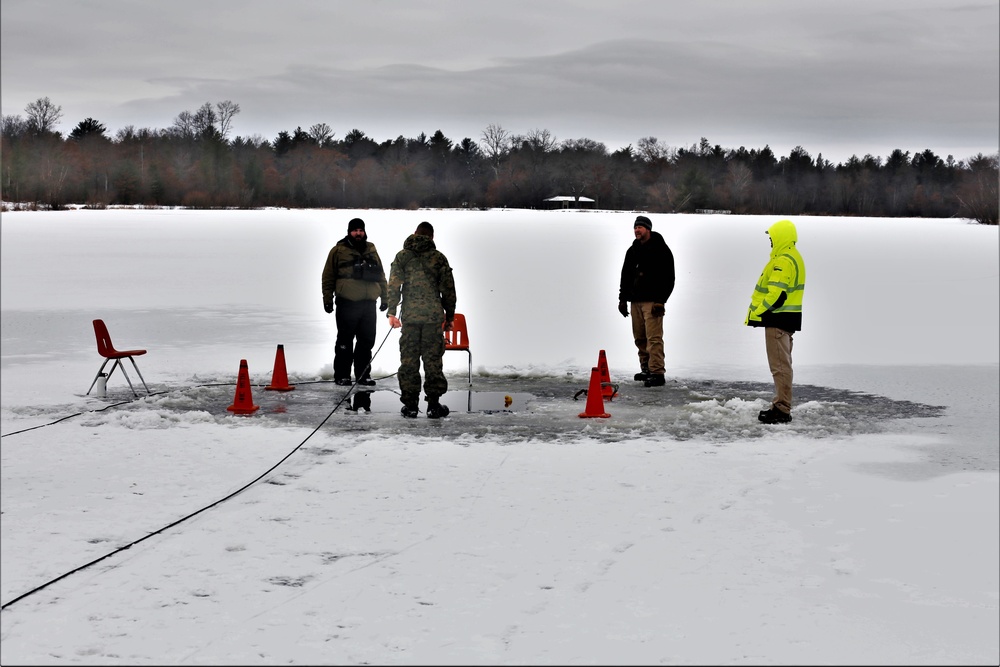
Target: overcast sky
[837,77]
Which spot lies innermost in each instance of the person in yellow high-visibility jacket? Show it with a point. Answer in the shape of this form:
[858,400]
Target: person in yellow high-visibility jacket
[776,305]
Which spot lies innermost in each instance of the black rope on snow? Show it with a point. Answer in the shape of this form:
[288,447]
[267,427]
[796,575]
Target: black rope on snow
[106,407]
[159,393]
[207,507]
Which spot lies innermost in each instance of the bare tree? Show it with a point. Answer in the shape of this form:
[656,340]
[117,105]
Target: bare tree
[125,134]
[649,149]
[977,189]
[184,124]
[321,133]
[584,145]
[226,110]
[42,115]
[739,178]
[205,120]
[130,134]
[541,140]
[496,146]
[580,166]
[255,140]
[13,126]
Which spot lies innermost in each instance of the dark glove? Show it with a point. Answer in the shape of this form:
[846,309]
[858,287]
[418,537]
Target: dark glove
[328,306]
[657,310]
[623,308]
[384,307]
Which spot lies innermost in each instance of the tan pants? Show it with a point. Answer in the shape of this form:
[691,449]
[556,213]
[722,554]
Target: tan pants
[648,333]
[779,358]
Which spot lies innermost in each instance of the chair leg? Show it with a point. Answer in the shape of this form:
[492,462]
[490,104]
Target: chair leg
[470,367]
[119,364]
[140,375]
[99,370]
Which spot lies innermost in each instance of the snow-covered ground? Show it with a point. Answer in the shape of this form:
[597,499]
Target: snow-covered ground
[679,530]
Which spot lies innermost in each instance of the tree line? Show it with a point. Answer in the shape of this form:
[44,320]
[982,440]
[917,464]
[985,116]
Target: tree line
[194,163]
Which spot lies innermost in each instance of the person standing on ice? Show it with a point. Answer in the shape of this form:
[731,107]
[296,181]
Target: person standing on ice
[353,274]
[776,305]
[421,279]
[647,281]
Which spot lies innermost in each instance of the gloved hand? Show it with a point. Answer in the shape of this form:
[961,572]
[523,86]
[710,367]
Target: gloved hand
[623,308]
[328,306]
[657,310]
[384,307]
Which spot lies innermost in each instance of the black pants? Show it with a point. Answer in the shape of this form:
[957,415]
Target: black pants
[355,322]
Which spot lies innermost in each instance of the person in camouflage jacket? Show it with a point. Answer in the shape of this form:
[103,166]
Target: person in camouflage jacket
[353,274]
[421,279]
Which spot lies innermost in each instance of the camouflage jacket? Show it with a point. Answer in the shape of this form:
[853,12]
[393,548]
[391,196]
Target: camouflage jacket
[421,278]
[353,275]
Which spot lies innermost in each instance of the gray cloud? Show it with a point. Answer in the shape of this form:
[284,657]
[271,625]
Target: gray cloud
[837,78]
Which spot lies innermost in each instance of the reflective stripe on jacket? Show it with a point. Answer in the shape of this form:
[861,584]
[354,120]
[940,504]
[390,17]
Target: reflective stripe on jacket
[777,297]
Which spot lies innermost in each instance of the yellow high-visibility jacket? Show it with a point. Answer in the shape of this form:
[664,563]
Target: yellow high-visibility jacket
[777,297]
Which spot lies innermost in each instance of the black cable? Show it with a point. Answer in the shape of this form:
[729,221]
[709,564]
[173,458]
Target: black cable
[207,507]
[159,393]
[106,407]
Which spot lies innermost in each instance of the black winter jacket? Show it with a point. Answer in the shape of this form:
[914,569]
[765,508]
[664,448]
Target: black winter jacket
[648,271]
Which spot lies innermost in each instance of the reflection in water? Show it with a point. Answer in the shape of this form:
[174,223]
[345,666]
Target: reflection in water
[361,401]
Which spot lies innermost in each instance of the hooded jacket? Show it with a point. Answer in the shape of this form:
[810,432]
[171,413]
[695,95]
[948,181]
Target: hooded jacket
[421,279]
[648,271]
[353,274]
[777,297]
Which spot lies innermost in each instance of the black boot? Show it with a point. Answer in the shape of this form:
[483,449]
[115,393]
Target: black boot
[774,416]
[409,408]
[436,410]
[642,375]
[655,380]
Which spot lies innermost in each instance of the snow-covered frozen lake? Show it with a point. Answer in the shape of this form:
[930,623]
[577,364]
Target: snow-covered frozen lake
[679,530]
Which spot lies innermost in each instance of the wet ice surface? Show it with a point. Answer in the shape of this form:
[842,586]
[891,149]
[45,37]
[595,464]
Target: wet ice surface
[540,408]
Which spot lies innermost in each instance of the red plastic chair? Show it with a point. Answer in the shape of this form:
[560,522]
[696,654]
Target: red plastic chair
[458,339]
[107,350]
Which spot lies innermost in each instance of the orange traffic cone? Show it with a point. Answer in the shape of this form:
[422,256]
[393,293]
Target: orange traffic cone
[243,401]
[595,399]
[607,388]
[279,378]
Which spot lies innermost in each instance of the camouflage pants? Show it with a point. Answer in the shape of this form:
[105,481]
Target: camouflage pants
[418,341]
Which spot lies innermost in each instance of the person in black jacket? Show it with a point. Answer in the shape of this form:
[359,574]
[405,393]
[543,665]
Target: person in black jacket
[353,278]
[647,281]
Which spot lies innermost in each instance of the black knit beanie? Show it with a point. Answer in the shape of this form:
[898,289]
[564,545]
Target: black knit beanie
[644,222]
[356,223]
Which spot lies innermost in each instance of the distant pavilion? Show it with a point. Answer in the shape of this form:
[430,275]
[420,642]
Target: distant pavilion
[564,201]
